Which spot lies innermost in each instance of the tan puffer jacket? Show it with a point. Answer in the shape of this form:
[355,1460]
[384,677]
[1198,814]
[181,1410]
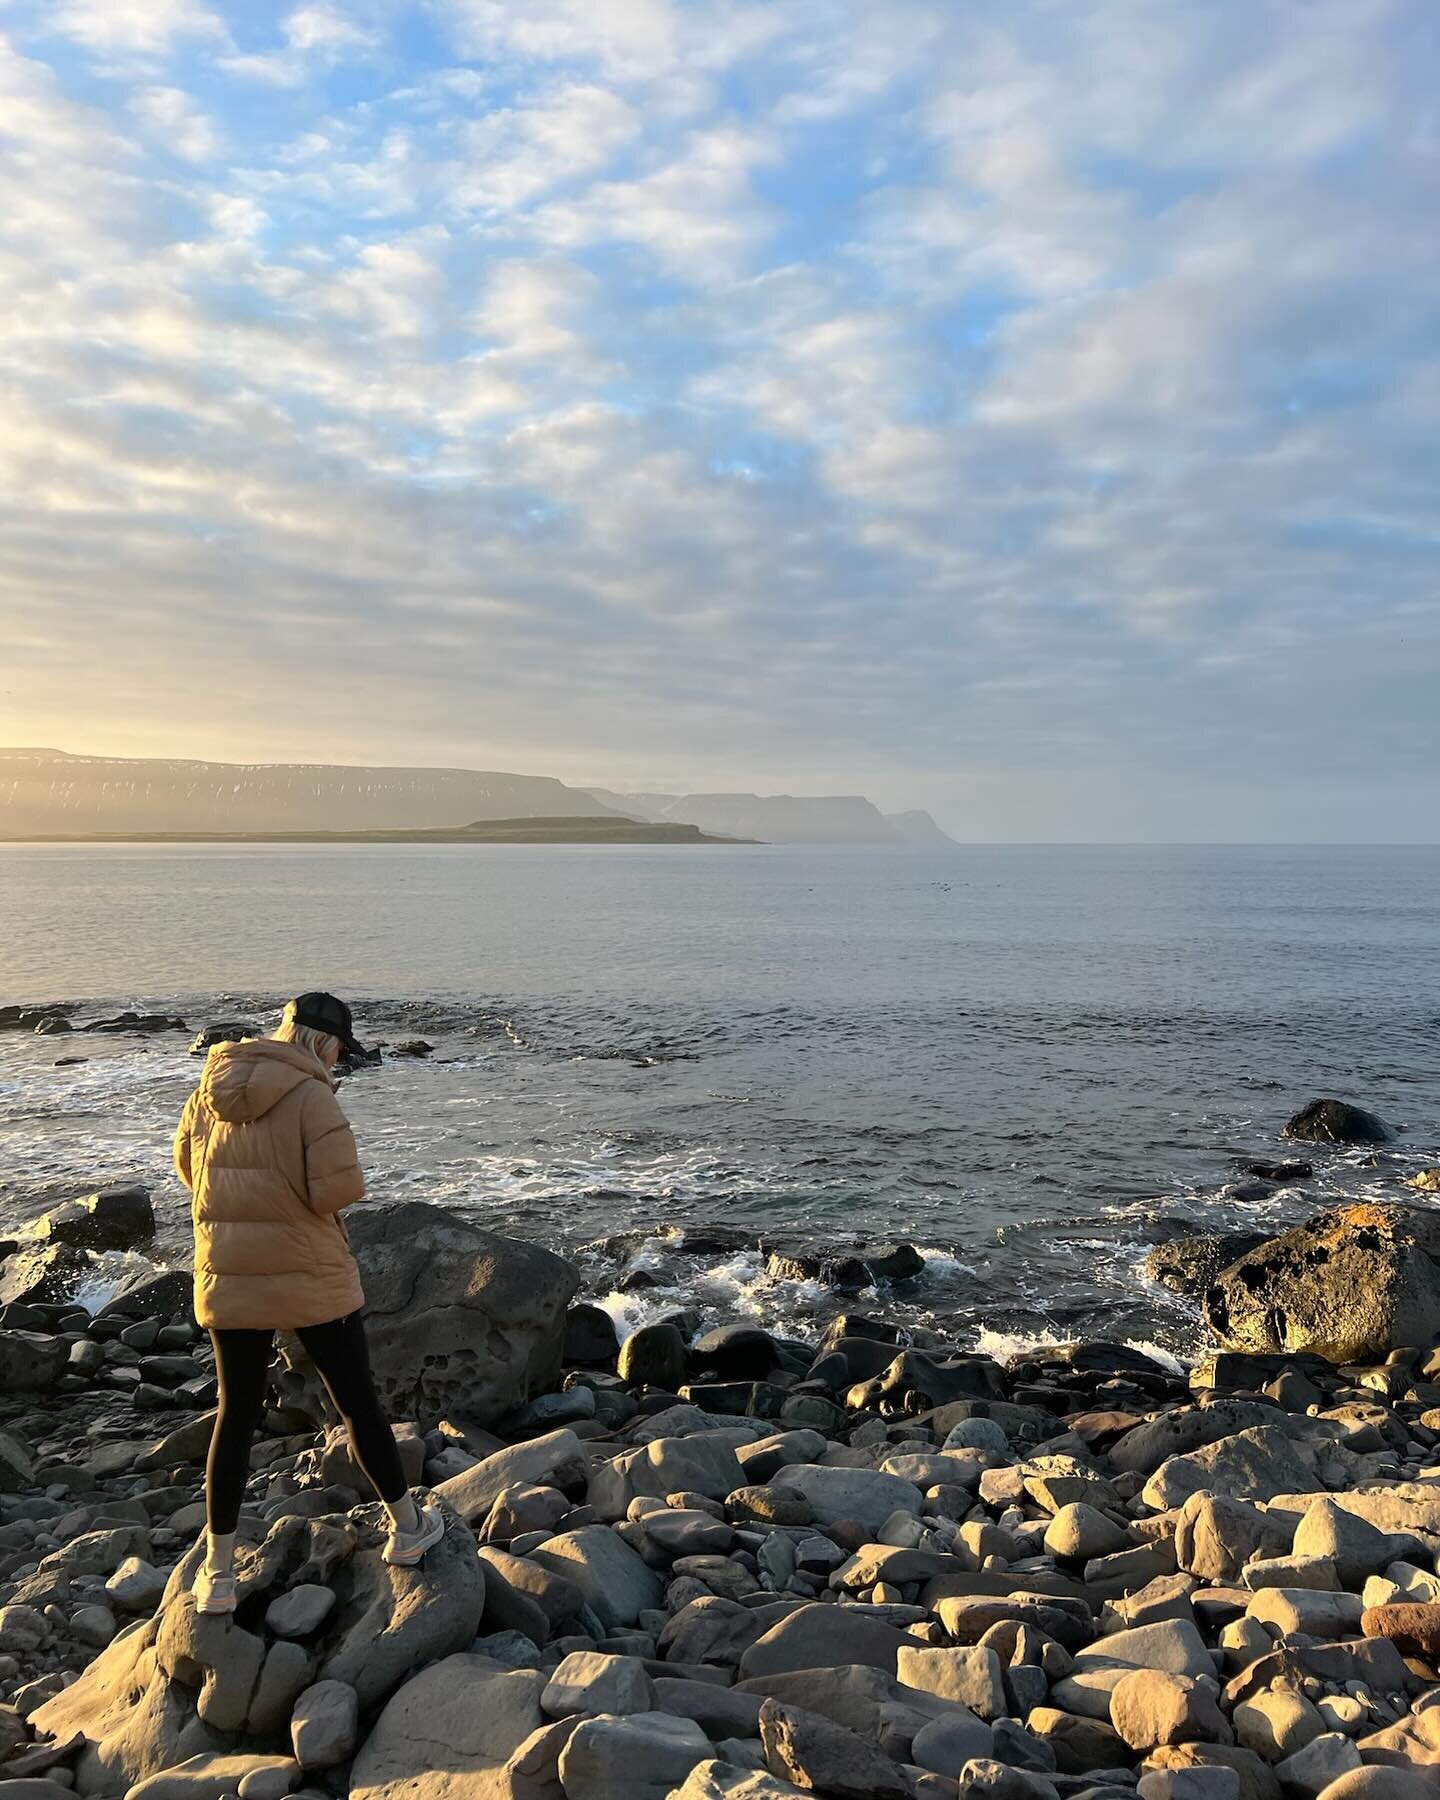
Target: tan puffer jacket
[270,1160]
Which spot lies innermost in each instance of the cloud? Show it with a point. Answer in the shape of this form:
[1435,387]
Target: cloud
[133,27]
[1005,401]
[315,36]
[173,118]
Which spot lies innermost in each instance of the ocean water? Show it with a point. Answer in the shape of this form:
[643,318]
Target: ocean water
[1033,1063]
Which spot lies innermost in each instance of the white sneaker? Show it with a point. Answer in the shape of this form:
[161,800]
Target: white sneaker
[404,1549]
[214,1593]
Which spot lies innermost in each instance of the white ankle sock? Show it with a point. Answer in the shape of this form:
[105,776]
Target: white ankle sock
[404,1514]
[220,1553]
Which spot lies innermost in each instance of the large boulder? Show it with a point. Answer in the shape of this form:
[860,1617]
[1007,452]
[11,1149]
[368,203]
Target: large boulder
[460,1321]
[179,1684]
[1337,1122]
[1351,1283]
[42,1274]
[114,1219]
[450,1732]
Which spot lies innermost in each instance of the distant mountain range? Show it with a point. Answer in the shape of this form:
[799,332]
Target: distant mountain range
[49,793]
[781,818]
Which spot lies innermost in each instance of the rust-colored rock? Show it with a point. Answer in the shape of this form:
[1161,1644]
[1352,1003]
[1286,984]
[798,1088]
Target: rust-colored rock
[1413,1626]
[1350,1284]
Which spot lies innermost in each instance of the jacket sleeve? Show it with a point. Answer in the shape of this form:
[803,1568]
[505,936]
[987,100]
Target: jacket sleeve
[181,1147]
[332,1163]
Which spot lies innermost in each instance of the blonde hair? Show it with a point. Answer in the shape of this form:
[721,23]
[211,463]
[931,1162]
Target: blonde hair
[289,1031]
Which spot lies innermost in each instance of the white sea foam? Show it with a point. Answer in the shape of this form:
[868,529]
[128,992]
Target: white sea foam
[1012,1346]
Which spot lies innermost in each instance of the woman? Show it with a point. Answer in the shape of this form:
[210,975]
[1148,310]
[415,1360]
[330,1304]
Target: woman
[270,1160]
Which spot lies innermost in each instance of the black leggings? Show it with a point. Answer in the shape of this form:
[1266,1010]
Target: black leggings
[242,1365]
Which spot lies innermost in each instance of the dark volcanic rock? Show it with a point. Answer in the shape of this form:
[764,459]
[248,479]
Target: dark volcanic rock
[590,1336]
[654,1356]
[35,1018]
[1189,1267]
[460,1321]
[45,1274]
[232,1033]
[736,1352]
[141,1024]
[915,1382]
[1337,1122]
[1354,1282]
[114,1219]
[1280,1171]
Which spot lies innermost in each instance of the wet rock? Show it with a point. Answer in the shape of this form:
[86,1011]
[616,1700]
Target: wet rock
[231,1032]
[654,1356]
[1427,1180]
[136,1024]
[31,1018]
[1190,1265]
[1353,1282]
[1337,1122]
[165,1293]
[113,1219]
[591,1340]
[915,1382]
[458,1319]
[819,1756]
[43,1275]
[736,1352]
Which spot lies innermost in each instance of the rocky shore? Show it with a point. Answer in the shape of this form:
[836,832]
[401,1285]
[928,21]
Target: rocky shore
[722,1563]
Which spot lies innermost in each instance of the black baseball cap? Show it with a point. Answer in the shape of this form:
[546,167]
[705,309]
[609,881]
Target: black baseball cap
[323,1012]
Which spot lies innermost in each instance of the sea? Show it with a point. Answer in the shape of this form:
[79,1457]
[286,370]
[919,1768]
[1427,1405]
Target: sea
[1031,1063]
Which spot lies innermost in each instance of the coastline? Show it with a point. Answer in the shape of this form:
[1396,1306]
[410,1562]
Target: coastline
[542,830]
[711,1563]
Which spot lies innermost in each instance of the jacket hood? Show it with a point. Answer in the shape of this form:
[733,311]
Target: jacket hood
[241,1082]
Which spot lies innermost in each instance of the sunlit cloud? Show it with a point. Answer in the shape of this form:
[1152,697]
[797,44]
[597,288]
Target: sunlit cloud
[940,401]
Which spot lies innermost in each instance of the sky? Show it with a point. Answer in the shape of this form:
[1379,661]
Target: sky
[1025,409]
